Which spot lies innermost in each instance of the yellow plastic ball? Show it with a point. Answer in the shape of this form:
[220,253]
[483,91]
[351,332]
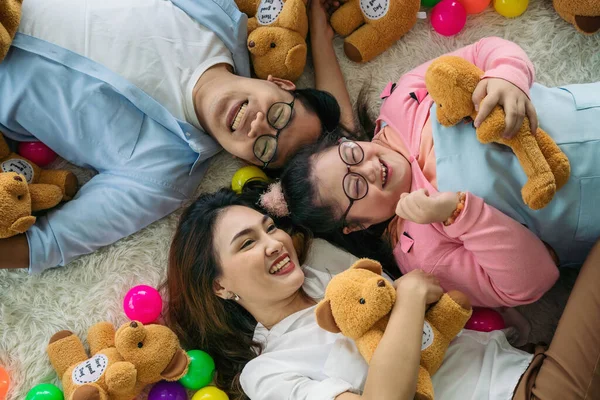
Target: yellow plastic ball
[511,8]
[210,393]
[246,174]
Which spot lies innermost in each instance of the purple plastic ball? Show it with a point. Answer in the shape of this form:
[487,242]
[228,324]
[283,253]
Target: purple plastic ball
[164,390]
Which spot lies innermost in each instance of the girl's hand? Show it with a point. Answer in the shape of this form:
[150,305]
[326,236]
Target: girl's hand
[420,284]
[319,12]
[494,91]
[421,208]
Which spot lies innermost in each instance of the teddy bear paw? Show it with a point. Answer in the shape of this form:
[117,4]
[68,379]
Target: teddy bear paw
[88,392]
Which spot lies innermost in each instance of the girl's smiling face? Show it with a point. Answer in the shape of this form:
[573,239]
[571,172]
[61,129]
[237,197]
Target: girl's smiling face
[386,174]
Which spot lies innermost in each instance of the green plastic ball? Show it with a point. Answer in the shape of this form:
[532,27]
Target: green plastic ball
[200,372]
[429,3]
[45,391]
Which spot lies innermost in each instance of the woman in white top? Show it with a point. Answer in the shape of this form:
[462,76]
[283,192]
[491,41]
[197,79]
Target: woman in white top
[238,292]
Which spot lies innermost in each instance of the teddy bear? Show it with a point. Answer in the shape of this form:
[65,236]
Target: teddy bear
[277,32]
[583,14]
[451,81]
[10,17]
[358,303]
[34,189]
[380,24]
[122,362]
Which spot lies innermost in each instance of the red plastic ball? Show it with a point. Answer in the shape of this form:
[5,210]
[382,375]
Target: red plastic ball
[37,152]
[485,320]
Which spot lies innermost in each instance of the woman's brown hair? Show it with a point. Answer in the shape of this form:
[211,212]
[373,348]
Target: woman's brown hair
[200,318]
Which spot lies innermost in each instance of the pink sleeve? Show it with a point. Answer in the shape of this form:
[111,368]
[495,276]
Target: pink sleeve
[498,58]
[500,262]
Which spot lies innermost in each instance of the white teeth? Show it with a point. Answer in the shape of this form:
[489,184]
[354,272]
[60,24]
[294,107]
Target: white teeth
[239,116]
[283,263]
[383,174]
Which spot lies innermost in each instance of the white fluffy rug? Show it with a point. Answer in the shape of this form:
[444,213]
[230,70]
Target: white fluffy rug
[91,289]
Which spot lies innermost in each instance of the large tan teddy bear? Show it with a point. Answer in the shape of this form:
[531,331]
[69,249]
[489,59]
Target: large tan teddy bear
[451,82]
[277,32]
[122,363]
[583,14]
[358,302]
[10,17]
[371,26]
[36,189]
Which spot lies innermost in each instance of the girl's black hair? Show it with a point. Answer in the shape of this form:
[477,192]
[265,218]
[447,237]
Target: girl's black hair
[323,104]
[300,192]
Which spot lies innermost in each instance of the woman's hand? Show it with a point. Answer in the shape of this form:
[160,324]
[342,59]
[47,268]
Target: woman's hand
[319,12]
[421,208]
[420,284]
[495,91]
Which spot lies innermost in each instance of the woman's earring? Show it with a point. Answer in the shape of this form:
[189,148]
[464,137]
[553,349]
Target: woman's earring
[233,296]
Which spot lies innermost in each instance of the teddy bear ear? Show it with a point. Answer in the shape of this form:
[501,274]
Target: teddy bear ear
[369,265]
[325,317]
[177,368]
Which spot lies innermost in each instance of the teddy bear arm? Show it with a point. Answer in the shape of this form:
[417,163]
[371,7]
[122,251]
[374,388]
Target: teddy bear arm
[64,350]
[65,180]
[121,378]
[450,314]
[557,160]
[347,18]
[367,344]
[44,196]
[294,17]
[366,43]
[492,127]
[10,17]
[424,385]
[248,7]
[4,149]
[101,336]
[252,24]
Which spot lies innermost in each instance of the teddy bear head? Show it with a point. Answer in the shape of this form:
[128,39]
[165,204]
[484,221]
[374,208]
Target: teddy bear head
[355,300]
[583,14]
[15,205]
[277,51]
[154,351]
[451,82]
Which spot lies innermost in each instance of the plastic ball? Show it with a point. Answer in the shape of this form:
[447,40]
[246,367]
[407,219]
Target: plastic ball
[485,320]
[4,383]
[245,175]
[475,6]
[448,17]
[45,391]
[511,8]
[200,372]
[429,3]
[37,152]
[164,390]
[210,393]
[142,303]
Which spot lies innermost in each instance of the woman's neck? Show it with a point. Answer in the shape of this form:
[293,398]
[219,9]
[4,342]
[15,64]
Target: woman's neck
[271,316]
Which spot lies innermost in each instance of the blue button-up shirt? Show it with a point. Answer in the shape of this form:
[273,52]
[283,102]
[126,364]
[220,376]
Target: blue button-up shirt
[148,162]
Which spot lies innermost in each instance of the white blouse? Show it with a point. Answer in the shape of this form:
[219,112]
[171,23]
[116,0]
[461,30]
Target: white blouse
[301,361]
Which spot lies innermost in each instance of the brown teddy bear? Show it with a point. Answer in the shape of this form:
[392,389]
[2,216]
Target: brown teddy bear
[277,33]
[451,82]
[10,17]
[358,302]
[380,24]
[583,14]
[122,363]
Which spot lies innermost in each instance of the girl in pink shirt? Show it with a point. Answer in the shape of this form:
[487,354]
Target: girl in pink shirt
[343,191]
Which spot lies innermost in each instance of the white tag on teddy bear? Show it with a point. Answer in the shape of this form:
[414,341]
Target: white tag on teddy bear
[90,370]
[19,166]
[427,339]
[268,11]
[374,9]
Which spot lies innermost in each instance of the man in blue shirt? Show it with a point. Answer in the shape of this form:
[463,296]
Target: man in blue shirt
[150,155]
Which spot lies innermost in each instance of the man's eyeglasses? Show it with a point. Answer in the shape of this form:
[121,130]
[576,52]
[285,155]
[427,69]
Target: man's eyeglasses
[355,185]
[278,117]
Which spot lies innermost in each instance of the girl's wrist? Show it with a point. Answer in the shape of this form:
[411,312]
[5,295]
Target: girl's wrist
[462,197]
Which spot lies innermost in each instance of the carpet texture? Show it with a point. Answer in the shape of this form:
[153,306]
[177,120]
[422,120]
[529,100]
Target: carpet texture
[91,288]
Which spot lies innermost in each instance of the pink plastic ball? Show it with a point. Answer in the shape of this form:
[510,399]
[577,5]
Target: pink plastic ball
[485,320]
[475,6]
[37,152]
[142,303]
[448,17]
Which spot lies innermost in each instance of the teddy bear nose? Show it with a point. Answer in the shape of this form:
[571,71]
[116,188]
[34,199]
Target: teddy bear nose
[251,44]
[18,179]
[381,283]
[133,324]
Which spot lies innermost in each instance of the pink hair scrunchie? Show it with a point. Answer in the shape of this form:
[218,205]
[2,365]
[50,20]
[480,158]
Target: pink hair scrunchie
[274,202]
